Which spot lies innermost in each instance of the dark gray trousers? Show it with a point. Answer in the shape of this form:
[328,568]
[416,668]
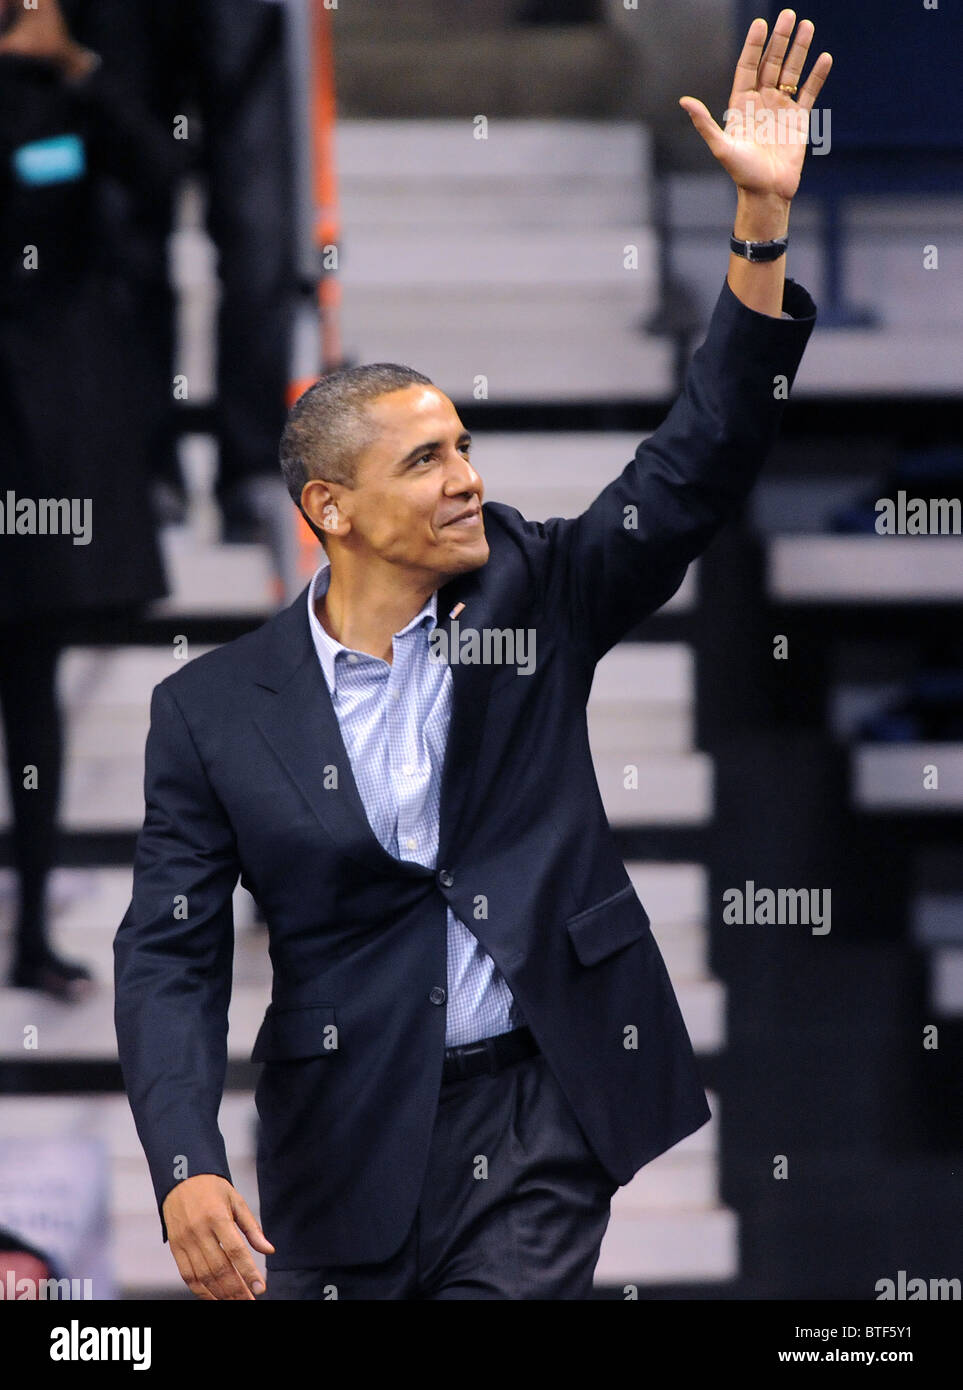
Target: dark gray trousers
[514,1204]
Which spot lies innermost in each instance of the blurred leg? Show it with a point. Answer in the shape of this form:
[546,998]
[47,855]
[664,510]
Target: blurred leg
[33,736]
[244,95]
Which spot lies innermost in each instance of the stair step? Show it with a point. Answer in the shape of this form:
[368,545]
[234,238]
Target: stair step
[537,361]
[857,569]
[533,260]
[946,981]
[666,1248]
[490,201]
[671,789]
[221,579]
[889,776]
[568,71]
[658,673]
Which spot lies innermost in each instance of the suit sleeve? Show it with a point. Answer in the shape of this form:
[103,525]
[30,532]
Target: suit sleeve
[173,959]
[627,554]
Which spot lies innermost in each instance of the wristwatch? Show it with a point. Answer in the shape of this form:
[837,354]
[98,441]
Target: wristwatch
[759,250]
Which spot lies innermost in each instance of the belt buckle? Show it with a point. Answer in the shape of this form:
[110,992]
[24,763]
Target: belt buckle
[459,1057]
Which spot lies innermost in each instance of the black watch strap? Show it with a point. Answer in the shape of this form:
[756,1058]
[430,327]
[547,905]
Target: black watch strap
[759,250]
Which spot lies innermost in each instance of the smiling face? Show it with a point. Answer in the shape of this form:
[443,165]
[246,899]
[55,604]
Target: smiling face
[417,499]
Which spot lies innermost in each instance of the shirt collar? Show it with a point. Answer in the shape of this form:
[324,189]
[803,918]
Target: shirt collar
[328,647]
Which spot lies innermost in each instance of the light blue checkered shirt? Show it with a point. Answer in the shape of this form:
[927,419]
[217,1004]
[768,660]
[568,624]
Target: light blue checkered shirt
[394,722]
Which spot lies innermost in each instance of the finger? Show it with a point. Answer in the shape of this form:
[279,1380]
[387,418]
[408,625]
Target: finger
[771,65]
[246,1220]
[796,60]
[747,67]
[234,1247]
[216,1272]
[704,124]
[815,80]
[185,1268]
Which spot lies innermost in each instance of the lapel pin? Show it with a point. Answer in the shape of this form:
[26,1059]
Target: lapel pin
[456,610]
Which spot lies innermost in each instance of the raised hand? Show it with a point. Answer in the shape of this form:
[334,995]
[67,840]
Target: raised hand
[764,141]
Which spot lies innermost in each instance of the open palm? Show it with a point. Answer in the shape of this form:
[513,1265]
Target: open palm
[764,141]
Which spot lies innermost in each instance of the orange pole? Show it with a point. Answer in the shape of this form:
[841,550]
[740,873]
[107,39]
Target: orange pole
[326,183]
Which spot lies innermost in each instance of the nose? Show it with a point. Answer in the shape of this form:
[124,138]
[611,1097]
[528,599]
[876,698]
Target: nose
[462,478]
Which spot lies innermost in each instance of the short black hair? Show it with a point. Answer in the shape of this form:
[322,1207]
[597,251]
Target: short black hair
[328,428]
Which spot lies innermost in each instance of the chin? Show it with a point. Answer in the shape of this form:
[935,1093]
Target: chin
[468,557]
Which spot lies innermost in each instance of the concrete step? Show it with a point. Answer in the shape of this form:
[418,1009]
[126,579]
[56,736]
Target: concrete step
[640,787]
[222,579]
[504,257]
[670,1247]
[535,155]
[936,918]
[676,893]
[675,897]
[643,696]
[539,199]
[637,675]
[684,948]
[857,569]
[538,360]
[533,261]
[946,981]
[890,776]
[570,71]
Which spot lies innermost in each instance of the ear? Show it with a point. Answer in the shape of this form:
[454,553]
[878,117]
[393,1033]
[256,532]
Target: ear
[320,509]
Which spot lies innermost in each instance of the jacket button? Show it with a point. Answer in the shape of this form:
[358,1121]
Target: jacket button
[446,878]
[438,995]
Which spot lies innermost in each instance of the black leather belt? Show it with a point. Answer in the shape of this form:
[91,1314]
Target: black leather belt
[488,1054]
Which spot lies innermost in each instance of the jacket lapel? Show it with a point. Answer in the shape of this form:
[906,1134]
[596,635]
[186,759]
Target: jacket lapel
[300,725]
[469,704]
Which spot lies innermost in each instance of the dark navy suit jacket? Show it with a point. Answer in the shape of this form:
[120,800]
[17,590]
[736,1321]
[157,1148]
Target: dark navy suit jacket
[242,759]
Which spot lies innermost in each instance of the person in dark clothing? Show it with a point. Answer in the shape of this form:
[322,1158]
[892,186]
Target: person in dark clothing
[215,71]
[77,535]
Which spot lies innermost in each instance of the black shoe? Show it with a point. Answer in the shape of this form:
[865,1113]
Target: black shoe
[62,979]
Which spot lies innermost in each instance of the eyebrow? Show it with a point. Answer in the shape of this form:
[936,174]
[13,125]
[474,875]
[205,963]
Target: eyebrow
[430,447]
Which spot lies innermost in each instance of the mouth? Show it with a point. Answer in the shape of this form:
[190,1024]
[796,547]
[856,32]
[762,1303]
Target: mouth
[465,520]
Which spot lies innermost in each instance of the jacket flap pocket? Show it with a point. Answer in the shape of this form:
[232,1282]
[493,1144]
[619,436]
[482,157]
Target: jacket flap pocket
[607,926]
[286,1034]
